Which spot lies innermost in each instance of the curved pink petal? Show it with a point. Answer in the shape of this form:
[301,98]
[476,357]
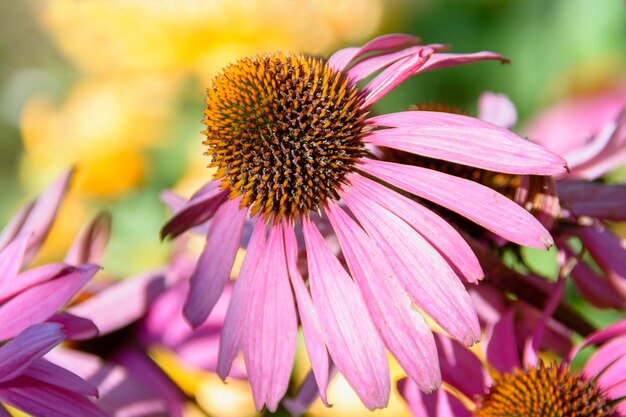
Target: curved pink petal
[501,344]
[313,337]
[461,368]
[497,109]
[406,334]
[468,141]
[352,339]
[596,289]
[605,356]
[444,60]
[18,313]
[478,203]
[76,328]
[200,208]
[230,340]
[423,273]
[269,342]
[439,233]
[592,199]
[614,330]
[30,278]
[52,374]
[342,58]
[89,245]
[614,374]
[28,346]
[216,261]
[393,76]
[11,261]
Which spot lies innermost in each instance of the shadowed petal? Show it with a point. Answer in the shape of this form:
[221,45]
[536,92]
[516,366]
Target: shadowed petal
[501,345]
[269,342]
[352,339]
[460,367]
[403,329]
[52,374]
[438,404]
[592,199]
[230,340]
[213,268]
[89,245]
[497,109]
[424,274]
[478,203]
[17,313]
[76,328]
[468,141]
[313,337]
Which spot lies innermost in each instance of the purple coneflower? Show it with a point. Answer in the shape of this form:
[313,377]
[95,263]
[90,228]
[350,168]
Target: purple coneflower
[289,137]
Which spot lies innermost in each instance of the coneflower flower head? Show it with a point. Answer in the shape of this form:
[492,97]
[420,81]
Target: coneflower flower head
[288,136]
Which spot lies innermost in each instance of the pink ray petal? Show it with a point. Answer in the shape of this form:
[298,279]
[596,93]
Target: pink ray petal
[213,268]
[406,334]
[468,141]
[501,344]
[614,330]
[76,328]
[230,340]
[313,337]
[353,342]
[439,60]
[17,313]
[461,368]
[393,76]
[608,251]
[416,264]
[30,278]
[605,356]
[439,404]
[439,233]
[11,261]
[614,374]
[52,374]
[172,200]
[137,293]
[342,58]
[200,208]
[497,109]
[478,203]
[28,346]
[592,199]
[89,245]
[618,392]
[14,226]
[41,399]
[269,342]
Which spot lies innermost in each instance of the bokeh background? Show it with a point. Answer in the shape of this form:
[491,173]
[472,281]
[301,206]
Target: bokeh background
[116,87]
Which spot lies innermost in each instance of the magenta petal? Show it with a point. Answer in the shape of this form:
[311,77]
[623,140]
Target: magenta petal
[89,245]
[468,141]
[497,109]
[501,344]
[30,278]
[478,203]
[439,60]
[406,334]
[313,337]
[605,357]
[76,328]
[614,374]
[200,208]
[439,404]
[353,342]
[213,268]
[137,293]
[18,313]
[11,261]
[461,368]
[52,374]
[340,59]
[41,399]
[393,76]
[438,232]
[269,342]
[28,346]
[416,264]
[592,199]
[230,340]
[615,330]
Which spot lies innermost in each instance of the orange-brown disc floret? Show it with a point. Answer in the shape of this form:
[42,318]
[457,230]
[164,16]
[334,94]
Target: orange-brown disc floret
[282,131]
[544,392]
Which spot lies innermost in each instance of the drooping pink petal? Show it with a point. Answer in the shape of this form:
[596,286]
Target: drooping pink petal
[137,292]
[461,368]
[269,342]
[230,340]
[213,268]
[17,313]
[501,344]
[28,346]
[497,109]
[342,58]
[11,261]
[200,208]
[605,356]
[439,404]
[592,199]
[353,342]
[52,374]
[468,141]
[89,245]
[406,334]
[439,233]
[313,337]
[444,60]
[41,399]
[608,251]
[393,76]
[478,203]
[76,328]
[423,273]
[308,393]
